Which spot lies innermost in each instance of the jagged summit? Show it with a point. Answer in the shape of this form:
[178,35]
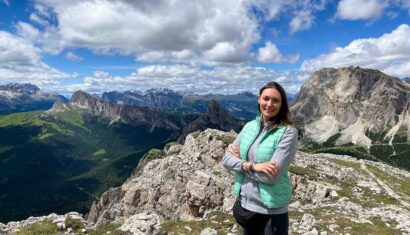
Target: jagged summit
[351,101]
[59,106]
[215,117]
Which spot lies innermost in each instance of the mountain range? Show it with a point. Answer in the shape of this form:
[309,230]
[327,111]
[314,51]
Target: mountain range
[22,97]
[241,105]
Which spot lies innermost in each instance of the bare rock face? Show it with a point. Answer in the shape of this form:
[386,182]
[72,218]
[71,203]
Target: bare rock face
[185,184]
[142,223]
[351,101]
[58,106]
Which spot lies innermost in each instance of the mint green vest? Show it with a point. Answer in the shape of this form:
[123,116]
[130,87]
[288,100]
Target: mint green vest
[273,195]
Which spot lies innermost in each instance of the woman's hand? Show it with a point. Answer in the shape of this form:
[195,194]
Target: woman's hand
[233,150]
[271,169]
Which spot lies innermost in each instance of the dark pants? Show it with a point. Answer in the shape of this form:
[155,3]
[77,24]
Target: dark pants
[259,224]
[268,225]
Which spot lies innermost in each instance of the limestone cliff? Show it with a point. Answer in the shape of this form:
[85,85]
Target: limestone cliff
[353,102]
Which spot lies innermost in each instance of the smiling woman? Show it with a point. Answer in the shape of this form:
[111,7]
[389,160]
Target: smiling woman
[260,156]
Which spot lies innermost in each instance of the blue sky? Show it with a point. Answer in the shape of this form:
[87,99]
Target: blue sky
[199,45]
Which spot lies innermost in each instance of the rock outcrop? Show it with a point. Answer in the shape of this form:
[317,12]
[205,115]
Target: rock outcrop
[351,101]
[62,222]
[189,182]
[187,190]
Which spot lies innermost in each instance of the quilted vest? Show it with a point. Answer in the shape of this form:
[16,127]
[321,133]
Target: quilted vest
[273,195]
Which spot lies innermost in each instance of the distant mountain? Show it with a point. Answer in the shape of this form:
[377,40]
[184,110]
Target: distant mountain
[153,98]
[130,114]
[242,105]
[406,79]
[22,97]
[338,108]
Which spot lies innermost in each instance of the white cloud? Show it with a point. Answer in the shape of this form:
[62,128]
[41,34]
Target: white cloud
[221,79]
[361,9]
[27,31]
[20,61]
[193,32]
[226,52]
[302,21]
[6,2]
[73,57]
[202,29]
[271,54]
[399,69]
[302,11]
[36,18]
[388,53]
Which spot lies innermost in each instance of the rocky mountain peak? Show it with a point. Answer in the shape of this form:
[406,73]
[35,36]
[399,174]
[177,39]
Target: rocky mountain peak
[350,100]
[59,106]
[215,117]
[81,98]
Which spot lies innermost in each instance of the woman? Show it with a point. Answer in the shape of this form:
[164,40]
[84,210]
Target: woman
[260,156]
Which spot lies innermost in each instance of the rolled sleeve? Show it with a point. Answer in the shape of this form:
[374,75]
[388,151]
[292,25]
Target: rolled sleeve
[232,163]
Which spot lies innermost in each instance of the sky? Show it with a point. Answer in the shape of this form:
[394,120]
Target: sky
[201,46]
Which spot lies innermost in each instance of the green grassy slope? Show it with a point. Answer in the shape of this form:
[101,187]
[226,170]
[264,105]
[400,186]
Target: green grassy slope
[59,164]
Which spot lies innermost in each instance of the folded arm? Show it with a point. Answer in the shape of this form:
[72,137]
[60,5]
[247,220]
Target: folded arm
[280,162]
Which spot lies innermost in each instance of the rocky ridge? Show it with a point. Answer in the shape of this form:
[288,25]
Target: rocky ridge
[352,101]
[185,186]
[215,117]
[135,115]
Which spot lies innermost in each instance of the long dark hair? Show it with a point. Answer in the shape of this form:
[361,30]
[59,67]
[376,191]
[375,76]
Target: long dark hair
[283,117]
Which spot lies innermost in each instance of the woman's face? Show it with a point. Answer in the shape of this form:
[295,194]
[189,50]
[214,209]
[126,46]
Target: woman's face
[270,102]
